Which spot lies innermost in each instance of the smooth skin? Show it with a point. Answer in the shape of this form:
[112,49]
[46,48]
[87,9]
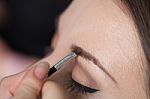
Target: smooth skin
[105,29]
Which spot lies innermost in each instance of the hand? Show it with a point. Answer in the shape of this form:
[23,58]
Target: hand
[25,85]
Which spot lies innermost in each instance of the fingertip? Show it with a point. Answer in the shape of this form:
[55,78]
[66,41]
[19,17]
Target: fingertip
[41,70]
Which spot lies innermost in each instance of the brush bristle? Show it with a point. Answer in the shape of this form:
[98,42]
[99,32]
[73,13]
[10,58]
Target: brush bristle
[77,51]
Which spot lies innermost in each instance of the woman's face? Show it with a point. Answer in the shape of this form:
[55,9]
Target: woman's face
[104,31]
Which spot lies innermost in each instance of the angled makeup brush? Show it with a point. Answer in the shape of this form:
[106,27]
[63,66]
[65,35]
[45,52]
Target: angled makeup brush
[64,60]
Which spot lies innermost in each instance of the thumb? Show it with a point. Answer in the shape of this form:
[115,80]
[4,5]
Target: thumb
[30,86]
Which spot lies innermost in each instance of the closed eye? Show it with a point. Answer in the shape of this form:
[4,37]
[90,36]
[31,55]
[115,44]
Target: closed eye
[74,86]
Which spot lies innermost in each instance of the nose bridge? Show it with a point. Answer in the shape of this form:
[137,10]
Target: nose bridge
[60,52]
[54,57]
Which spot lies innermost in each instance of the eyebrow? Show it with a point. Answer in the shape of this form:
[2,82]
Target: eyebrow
[86,55]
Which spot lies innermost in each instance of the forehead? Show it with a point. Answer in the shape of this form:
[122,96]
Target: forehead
[97,19]
[96,24]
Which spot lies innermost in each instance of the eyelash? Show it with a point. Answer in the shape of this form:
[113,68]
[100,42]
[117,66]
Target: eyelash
[74,86]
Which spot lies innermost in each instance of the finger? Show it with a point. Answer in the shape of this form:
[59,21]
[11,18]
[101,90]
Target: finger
[51,90]
[9,83]
[31,84]
[6,85]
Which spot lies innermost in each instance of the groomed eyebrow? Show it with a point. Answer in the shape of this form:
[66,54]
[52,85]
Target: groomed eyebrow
[86,55]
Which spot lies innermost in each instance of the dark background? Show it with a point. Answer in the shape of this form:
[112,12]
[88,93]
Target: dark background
[30,24]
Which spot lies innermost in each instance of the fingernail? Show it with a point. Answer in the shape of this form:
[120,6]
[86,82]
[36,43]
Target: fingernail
[41,70]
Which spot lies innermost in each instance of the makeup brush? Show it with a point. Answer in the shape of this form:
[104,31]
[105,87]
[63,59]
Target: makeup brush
[64,60]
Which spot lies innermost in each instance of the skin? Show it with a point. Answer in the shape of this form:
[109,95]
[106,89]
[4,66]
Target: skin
[103,29]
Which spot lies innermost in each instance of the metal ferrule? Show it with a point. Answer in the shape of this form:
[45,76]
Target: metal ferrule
[66,59]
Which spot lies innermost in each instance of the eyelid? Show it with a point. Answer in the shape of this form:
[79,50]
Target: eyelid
[74,86]
[82,75]
[88,56]
[84,85]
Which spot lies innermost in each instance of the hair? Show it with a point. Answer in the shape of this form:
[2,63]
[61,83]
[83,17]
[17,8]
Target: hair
[139,9]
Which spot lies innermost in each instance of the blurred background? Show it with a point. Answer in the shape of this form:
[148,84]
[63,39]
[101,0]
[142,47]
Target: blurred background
[26,30]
